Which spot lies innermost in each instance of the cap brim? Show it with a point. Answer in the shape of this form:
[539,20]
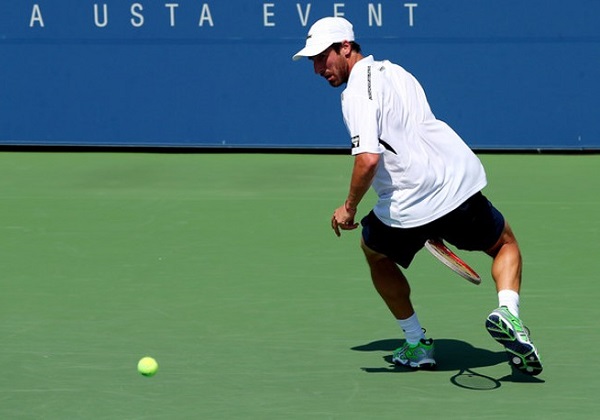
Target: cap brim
[311,51]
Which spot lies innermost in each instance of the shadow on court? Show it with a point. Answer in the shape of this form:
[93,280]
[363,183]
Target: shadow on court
[453,356]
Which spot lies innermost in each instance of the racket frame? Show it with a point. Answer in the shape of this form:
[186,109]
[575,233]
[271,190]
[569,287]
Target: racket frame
[438,249]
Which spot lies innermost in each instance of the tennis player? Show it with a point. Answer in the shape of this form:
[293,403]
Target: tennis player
[429,186]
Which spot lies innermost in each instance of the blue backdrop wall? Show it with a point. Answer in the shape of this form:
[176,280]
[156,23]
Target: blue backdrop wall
[505,74]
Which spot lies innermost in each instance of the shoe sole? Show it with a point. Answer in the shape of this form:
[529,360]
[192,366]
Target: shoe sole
[429,364]
[522,356]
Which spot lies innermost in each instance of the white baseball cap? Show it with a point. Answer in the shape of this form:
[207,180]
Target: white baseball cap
[323,34]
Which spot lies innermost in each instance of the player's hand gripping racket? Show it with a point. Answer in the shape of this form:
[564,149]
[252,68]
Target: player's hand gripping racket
[451,260]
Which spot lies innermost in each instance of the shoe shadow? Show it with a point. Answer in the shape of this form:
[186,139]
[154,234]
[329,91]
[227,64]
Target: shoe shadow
[455,356]
[450,355]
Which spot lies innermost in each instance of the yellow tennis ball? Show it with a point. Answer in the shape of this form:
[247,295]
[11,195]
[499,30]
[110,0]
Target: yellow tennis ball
[147,366]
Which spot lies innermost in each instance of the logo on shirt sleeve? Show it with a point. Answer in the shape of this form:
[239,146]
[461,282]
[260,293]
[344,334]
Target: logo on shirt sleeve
[355,142]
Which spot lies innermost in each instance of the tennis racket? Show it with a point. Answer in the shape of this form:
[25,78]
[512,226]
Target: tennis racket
[439,250]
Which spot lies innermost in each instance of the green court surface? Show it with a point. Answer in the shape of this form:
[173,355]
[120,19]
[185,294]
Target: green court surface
[225,269]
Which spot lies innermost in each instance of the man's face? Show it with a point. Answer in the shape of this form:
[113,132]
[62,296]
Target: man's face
[332,66]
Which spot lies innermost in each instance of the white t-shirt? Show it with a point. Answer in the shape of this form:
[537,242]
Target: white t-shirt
[426,170]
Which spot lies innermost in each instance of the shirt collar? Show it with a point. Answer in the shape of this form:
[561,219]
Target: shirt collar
[362,63]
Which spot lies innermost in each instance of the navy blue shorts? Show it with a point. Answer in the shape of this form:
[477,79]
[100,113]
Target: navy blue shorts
[476,225]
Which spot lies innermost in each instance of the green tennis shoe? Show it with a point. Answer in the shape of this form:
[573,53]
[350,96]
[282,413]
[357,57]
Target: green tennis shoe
[509,331]
[416,356]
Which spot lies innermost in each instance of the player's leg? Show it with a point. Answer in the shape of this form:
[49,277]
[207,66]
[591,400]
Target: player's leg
[397,246]
[504,324]
[507,262]
[391,284]
[478,226]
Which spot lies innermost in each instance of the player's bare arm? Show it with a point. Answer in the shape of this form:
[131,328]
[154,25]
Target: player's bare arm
[365,165]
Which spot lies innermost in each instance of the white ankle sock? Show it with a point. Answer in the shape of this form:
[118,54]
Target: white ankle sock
[510,299]
[412,329]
